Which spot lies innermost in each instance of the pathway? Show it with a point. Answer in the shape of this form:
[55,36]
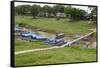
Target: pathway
[32,50]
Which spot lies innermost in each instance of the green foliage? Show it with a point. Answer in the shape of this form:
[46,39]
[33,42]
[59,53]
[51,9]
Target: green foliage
[58,8]
[51,11]
[35,10]
[75,13]
[47,8]
[22,9]
[22,24]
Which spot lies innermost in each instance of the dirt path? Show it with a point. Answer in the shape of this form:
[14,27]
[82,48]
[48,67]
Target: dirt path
[94,45]
[33,50]
[93,29]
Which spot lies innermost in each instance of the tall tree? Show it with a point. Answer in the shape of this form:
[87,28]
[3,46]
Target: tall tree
[47,10]
[22,9]
[58,11]
[75,13]
[35,10]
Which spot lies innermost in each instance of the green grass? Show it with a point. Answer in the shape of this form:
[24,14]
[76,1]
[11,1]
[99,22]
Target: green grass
[21,45]
[62,55]
[53,25]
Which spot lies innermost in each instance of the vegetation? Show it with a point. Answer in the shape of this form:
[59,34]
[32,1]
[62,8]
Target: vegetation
[22,9]
[19,46]
[49,11]
[51,24]
[93,15]
[75,13]
[48,18]
[63,55]
[35,10]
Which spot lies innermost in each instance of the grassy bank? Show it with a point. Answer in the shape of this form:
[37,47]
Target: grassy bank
[62,55]
[53,25]
[70,54]
[21,45]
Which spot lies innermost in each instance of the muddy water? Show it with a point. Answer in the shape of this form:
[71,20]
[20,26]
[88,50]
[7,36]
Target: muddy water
[51,35]
[48,35]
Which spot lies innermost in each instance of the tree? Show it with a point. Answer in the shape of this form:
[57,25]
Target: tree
[22,9]
[58,11]
[93,14]
[35,10]
[47,10]
[75,13]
